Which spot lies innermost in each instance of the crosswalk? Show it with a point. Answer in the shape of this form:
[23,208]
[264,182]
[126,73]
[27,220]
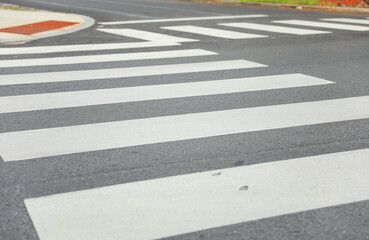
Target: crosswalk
[229,31]
[158,208]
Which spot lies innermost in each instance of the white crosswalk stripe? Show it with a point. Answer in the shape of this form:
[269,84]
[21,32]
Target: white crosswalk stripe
[153,92]
[105,58]
[184,19]
[146,35]
[323,25]
[213,32]
[84,75]
[176,205]
[347,20]
[273,28]
[110,135]
[83,47]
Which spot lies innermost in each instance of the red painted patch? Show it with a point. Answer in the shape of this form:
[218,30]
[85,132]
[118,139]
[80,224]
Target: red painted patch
[33,28]
[347,3]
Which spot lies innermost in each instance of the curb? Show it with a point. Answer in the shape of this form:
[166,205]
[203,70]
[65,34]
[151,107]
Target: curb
[294,6]
[87,22]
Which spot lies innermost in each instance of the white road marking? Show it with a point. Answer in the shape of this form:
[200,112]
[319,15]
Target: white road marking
[213,32]
[176,205]
[146,35]
[83,47]
[184,19]
[23,145]
[324,25]
[273,28]
[104,58]
[347,20]
[153,92]
[46,77]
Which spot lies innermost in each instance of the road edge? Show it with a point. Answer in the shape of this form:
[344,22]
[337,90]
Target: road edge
[292,6]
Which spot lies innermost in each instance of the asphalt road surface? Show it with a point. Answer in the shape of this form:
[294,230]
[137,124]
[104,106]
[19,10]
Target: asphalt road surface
[182,120]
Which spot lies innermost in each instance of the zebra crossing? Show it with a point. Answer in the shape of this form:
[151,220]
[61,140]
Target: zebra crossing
[277,26]
[154,208]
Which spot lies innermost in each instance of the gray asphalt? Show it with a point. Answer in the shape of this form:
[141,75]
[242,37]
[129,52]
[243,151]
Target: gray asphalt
[342,57]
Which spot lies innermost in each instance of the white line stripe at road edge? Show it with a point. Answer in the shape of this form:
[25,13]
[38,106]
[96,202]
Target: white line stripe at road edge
[184,19]
[39,143]
[176,205]
[83,47]
[44,101]
[83,75]
[105,58]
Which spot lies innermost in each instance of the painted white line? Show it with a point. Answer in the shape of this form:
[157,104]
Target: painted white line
[176,205]
[28,78]
[105,58]
[38,143]
[347,20]
[83,47]
[324,25]
[153,92]
[272,28]
[184,19]
[213,32]
[146,35]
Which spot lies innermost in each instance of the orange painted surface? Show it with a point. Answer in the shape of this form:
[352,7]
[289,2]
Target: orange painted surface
[33,28]
[340,2]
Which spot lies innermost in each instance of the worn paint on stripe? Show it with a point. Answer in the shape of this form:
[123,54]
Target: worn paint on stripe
[44,101]
[273,28]
[146,35]
[104,58]
[83,47]
[38,143]
[28,78]
[324,25]
[176,205]
[184,19]
[347,20]
[213,32]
